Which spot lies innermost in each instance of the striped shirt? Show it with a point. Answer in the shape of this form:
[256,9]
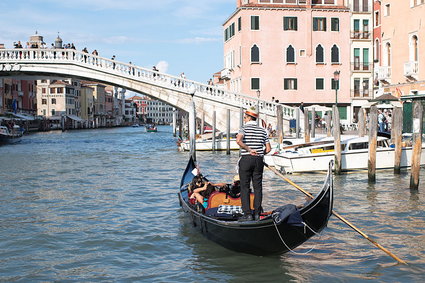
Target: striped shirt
[255,137]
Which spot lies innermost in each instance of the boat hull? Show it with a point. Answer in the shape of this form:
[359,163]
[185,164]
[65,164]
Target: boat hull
[221,144]
[352,160]
[265,236]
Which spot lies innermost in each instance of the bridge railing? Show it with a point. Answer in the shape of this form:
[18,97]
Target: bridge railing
[11,58]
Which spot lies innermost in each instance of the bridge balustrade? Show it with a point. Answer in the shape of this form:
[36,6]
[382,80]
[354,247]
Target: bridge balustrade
[11,58]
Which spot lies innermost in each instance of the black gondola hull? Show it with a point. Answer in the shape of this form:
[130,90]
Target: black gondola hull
[265,236]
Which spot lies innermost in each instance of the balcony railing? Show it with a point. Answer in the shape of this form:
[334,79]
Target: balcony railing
[361,92]
[361,66]
[383,73]
[411,68]
[360,35]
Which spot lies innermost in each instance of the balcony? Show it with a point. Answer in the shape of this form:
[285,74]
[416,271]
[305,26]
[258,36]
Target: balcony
[361,66]
[411,68]
[383,73]
[360,35]
[361,93]
[225,74]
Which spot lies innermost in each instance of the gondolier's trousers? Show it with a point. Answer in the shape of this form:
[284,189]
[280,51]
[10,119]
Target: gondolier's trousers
[251,169]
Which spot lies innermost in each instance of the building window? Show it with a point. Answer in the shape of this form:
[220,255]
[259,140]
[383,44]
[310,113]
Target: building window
[365,59]
[356,6]
[320,83]
[44,112]
[356,58]
[334,84]
[53,100]
[239,23]
[387,10]
[365,5]
[365,28]
[52,90]
[44,101]
[290,84]
[43,90]
[255,83]
[255,22]
[334,24]
[290,23]
[377,20]
[377,50]
[414,49]
[356,28]
[319,24]
[53,112]
[356,91]
[255,54]
[290,54]
[335,54]
[365,87]
[319,55]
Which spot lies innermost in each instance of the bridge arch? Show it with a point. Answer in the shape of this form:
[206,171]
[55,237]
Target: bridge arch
[175,91]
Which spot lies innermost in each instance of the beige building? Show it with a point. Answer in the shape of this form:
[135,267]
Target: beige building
[87,103]
[402,67]
[99,100]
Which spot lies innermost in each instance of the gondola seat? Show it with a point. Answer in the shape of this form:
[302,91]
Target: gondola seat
[220,198]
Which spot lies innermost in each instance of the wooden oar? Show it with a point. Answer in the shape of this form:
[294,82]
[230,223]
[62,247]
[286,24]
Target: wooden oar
[340,217]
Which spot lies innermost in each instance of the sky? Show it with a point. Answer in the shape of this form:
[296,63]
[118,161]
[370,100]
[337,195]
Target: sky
[175,35]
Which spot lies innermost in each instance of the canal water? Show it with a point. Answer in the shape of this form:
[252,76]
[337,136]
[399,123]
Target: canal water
[101,205]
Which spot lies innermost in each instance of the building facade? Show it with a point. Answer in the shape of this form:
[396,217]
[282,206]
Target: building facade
[401,71]
[361,70]
[289,50]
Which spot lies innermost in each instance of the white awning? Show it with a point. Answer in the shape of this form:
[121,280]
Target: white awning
[75,118]
[22,116]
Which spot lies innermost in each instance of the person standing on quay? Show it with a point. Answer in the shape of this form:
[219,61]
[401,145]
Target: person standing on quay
[254,143]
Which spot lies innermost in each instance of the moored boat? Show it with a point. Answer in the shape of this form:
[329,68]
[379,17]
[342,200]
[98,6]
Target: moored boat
[273,233]
[354,155]
[205,143]
[10,136]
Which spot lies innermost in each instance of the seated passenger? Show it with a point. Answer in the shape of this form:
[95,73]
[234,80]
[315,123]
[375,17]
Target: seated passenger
[201,189]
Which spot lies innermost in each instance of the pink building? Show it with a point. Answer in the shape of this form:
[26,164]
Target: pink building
[402,68]
[289,50]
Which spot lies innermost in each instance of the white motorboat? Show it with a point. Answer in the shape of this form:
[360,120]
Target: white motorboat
[354,155]
[205,143]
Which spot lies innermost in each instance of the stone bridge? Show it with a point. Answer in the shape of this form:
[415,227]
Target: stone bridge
[35,64]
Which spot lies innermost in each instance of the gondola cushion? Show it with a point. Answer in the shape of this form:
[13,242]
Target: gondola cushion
[219,198]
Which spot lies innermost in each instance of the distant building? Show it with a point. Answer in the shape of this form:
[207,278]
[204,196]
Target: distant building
[153,111]
[17,96]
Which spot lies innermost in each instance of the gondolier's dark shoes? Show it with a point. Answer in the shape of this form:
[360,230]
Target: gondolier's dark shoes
[256,216]
[245,217]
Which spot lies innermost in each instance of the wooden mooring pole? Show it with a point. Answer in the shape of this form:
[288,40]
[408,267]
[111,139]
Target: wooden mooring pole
[313,122]
[213,130]
[417,144]
[337,139]
[373,130]
[306,127]
[361,123]
[328,120]
[396,132]
[279,114]
[228,133]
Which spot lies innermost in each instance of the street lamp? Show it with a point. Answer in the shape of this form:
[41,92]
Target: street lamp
[336,84]
[258,106]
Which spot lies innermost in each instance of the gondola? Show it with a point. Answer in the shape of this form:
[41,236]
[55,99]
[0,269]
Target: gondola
[273,233]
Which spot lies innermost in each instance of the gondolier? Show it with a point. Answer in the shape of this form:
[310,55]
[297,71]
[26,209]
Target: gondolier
[254,143]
